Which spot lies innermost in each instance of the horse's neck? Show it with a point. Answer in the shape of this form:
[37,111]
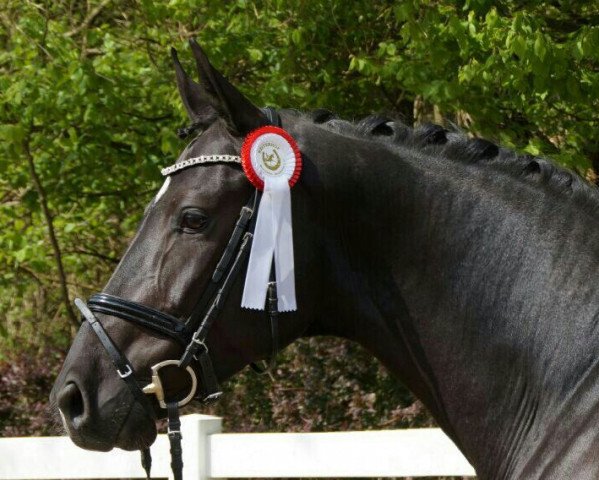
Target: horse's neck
[471,286]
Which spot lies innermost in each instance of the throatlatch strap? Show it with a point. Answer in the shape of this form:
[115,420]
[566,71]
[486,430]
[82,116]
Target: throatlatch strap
[272,306]
[174,438]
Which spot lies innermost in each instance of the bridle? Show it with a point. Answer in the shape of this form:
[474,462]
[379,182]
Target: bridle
[190,333]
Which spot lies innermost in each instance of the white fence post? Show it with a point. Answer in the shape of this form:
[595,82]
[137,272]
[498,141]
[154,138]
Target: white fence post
[195,430]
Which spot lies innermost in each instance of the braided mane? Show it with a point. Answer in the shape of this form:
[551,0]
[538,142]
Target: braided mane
[456,146]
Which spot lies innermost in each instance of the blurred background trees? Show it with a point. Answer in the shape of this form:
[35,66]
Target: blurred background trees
[89,109]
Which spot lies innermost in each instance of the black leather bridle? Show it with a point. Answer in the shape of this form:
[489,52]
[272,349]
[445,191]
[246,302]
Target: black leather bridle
[190,333]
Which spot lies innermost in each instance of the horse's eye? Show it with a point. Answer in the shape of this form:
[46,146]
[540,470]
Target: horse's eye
[193,221]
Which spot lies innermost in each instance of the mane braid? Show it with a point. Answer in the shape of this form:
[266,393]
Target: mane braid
[456,146]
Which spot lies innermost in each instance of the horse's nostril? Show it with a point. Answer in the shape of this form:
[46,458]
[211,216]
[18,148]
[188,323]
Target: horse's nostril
[71,404]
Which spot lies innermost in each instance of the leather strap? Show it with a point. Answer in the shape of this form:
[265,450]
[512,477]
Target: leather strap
[197,347]
[174,438]
[122,365]
[244,222]
[212,391]
[147,317]
[272,115]
[272,306]
[273,315]
[229,253]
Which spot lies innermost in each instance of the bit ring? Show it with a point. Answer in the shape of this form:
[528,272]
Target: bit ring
[157,389]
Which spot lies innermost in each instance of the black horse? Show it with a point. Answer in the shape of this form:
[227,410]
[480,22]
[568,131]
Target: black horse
[465,268]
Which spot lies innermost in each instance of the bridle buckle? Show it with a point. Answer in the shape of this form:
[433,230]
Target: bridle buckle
[213,397]
[201,344]
[127,372]
[156,388]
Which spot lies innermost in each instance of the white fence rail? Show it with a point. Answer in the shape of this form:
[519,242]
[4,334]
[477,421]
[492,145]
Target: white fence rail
[211,454]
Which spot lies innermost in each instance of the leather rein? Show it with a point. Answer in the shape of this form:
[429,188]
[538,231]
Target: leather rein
[191,333]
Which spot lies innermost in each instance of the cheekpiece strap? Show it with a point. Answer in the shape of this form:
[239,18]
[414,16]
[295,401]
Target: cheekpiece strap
[212,391]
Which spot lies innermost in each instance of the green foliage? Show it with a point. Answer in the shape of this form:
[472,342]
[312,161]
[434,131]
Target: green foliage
[87,97]
[528,74]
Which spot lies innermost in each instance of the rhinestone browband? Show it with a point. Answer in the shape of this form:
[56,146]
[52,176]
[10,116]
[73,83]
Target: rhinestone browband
[190,162]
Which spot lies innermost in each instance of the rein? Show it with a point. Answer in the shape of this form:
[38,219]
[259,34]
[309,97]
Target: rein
[190,333]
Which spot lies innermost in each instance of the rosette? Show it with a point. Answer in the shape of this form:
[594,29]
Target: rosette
[272,162]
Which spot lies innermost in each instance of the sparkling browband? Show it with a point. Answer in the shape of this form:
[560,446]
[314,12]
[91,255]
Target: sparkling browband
[190,162]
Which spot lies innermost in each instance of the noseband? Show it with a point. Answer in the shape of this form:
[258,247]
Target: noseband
[191,333]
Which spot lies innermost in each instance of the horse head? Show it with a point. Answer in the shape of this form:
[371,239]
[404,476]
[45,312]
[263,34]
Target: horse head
[181,242]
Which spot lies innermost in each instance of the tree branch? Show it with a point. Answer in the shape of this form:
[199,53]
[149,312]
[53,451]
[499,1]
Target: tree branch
[89,19]
[41,279]
[51,232]
[149,119]
[92,253]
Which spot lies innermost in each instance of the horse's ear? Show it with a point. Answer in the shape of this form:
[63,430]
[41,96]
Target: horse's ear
[193,95]
[241,115]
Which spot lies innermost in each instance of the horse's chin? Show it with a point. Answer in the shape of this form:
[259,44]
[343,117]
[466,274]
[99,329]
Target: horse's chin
[90,443]
[137,432]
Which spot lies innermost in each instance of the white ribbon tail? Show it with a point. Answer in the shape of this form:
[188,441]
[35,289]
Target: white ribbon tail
[273,238]
[284,266]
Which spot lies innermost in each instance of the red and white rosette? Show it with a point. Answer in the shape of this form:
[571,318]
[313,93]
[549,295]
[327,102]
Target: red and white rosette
[272,162]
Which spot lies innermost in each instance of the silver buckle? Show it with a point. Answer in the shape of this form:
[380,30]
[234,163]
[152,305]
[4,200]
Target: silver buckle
[127,372]
[199,342]
[213,397]
[156,386]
